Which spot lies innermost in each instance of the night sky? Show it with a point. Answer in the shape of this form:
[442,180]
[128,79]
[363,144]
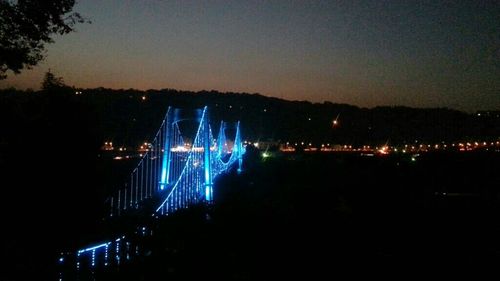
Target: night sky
[366,53]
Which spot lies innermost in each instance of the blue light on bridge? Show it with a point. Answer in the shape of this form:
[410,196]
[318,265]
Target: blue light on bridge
[106,255]
[186,169]
[163,176]
[207,192]
[117,250]
[93,248]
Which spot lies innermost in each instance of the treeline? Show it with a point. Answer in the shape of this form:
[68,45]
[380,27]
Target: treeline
[130,117]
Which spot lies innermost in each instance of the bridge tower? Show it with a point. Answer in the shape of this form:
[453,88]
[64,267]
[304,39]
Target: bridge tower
[167,137]
[206,155]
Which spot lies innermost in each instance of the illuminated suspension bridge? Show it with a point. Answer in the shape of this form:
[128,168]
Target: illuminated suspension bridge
[173,174]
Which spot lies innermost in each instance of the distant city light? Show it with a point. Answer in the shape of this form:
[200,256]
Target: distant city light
[335,121]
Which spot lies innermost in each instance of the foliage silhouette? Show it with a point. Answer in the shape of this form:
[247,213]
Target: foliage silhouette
[27,25]
[51,82]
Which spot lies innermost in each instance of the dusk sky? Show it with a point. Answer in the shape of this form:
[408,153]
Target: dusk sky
[365,53]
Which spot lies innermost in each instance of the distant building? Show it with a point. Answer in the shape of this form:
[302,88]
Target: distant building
[107,146]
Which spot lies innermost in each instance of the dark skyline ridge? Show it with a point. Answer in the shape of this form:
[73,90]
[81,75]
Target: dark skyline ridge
[471,111]
[127,116]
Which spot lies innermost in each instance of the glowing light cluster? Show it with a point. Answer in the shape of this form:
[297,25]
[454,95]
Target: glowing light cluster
[179,149]
[184,171]
[181,173]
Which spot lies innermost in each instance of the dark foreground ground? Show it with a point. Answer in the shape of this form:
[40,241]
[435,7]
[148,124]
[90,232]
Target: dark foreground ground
[320,216]
[310,215]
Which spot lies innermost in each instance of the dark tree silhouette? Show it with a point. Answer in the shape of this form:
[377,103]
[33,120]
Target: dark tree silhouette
[27,25]
[51,82]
